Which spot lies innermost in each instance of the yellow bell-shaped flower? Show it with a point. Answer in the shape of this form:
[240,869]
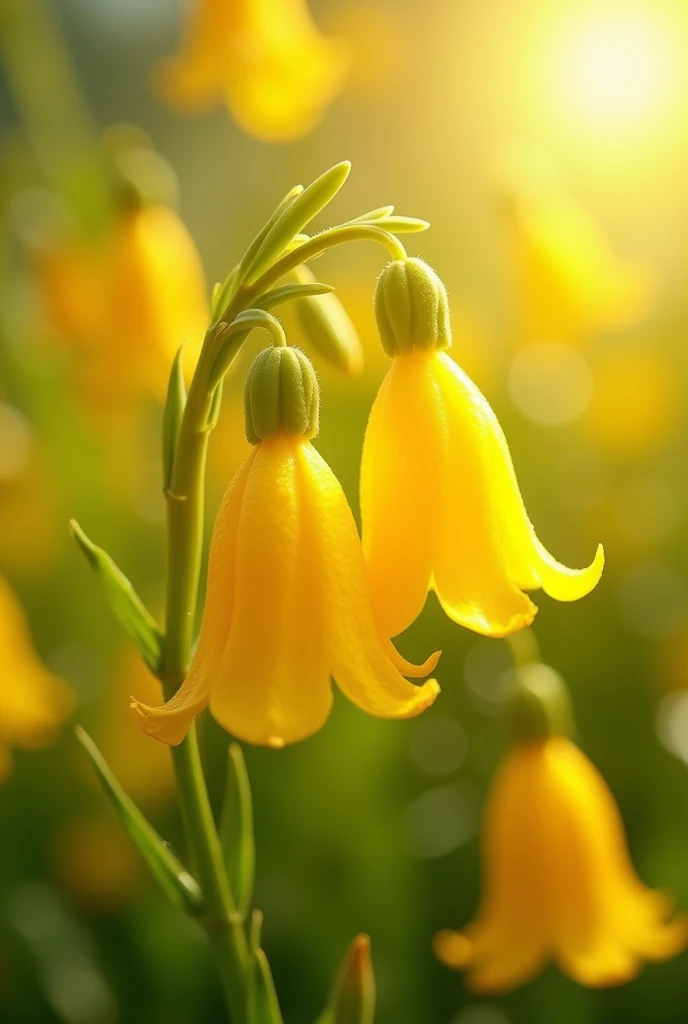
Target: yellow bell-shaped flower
[559,881]
[287,602]
[33,702]
[264,58]
[155,296]
[440,503]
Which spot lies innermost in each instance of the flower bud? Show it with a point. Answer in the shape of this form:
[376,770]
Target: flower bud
[539,706]
[281,395]
[328,329]
[411,308]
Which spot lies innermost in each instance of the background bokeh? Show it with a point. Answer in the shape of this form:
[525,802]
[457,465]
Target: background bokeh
[518,130]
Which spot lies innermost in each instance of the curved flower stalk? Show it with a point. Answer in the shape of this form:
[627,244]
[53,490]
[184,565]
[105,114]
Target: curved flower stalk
[440,503]
[287,605]
[265,58]
[33,702]
[559,880]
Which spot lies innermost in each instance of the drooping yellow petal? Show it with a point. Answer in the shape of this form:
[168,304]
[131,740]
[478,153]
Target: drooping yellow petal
[404,455]
[171,722]
[506,944]
[442,509]
[273,684]
[359,658]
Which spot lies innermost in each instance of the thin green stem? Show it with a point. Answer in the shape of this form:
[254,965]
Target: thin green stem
[524,647]
[185,499]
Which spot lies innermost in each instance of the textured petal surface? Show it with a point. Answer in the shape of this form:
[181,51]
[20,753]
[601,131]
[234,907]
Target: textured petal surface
[273,684]
[404,460]
[171,722]
[359,658]
[471,576]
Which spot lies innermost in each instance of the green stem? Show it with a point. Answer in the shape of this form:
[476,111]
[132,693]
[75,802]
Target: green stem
[185,499]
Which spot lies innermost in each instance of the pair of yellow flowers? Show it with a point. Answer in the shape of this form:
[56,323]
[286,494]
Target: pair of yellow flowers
[293,600]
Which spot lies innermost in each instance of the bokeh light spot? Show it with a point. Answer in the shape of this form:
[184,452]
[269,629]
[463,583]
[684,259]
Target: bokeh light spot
[550,383]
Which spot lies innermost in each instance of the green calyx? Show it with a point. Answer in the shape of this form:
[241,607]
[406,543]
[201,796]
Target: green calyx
[411,308]
[539,706]
[281,395]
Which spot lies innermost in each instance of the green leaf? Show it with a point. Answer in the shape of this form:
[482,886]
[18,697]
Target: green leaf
[236,830]
[124,601]
[175,880]
[263,1007]
[172,416]
[352,1000]
[380,213]
[255,245]
[403,225]
[292,291]
[215,406]
[234,335]
[295,217]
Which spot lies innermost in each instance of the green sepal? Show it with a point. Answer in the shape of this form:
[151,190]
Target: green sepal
[172,416]
[281,395]
[124,601]
[262,1004]
[352,999]
[175,880]
[236,830]
[294,218]
[287,292]
[232,336]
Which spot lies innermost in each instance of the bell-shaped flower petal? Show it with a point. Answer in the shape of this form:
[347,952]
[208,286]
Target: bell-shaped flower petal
[559,883]
[442,510]
[287,607]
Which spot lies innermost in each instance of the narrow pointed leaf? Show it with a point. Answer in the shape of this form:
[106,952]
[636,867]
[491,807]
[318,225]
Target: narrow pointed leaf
[175,880]
[295,217]
[215,406]
[292,291]
[236,830]
[123,599]
[381,213]
[352,1000]
[250,254]
[403,225]
[172,416]
[263,1007]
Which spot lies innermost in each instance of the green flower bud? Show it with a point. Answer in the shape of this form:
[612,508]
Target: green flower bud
[281,395]
[327,327]
[411,308]
[539,706]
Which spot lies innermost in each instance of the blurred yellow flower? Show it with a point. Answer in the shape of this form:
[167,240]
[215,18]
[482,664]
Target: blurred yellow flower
[287,603]
[568,280]
[33,702]
[156,299]
[125,303]
[264,58]
[560,883]
[440,503]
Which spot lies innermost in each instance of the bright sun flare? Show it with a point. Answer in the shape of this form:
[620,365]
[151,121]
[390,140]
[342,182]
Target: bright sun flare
[618,69]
